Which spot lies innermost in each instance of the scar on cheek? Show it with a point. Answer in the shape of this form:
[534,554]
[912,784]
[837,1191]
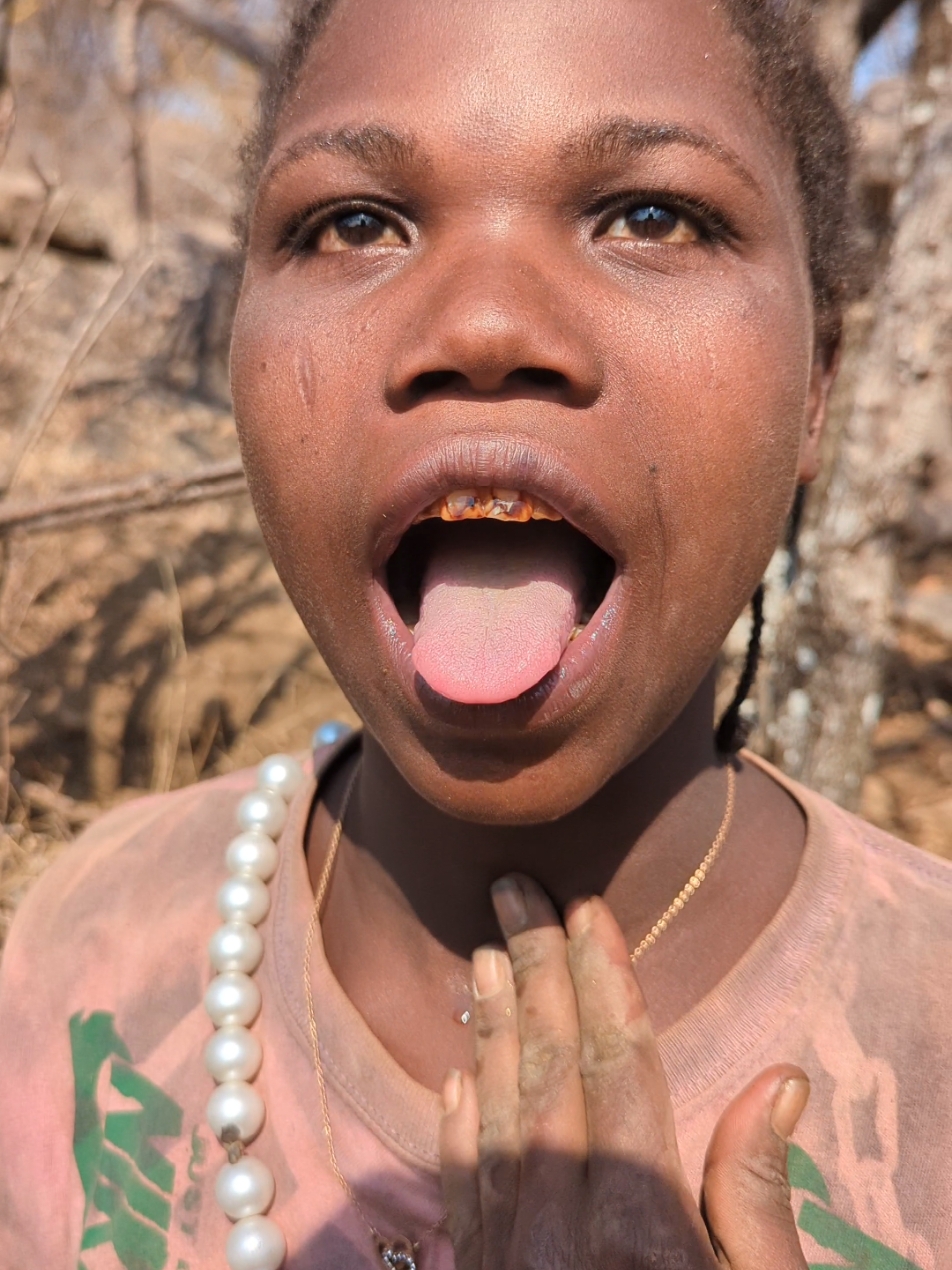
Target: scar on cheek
[305,377]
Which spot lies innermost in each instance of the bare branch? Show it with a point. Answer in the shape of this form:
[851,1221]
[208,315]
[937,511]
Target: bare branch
[90,331]
[75,814]
[144,493]
[128,14]
[45,224]
[233,36]
[7,102]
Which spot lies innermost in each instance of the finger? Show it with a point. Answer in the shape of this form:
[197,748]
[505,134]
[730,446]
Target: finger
[626,1093]
[459,1135]
[497,1090]
[746,1194]
[630,1117]
[552,1105]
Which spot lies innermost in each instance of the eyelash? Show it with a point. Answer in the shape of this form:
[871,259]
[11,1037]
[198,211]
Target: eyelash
[712,225]
[303,230]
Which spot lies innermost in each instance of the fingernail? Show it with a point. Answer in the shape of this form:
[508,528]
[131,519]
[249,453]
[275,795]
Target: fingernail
[488,975]
[452,1091]
[578,917]
[789,1104]
[510,906]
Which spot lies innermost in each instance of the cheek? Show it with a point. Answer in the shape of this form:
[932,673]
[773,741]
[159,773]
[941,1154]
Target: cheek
[713,407]
[719,397]
[294,398]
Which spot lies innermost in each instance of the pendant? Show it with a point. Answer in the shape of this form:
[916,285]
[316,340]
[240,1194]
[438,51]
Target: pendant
[397,1254]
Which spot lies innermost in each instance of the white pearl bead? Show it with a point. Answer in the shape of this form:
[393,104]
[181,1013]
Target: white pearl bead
[236,946]
[233,1053]
[264,810]
[232,998]
[243,898]
[283,774]
[236,1105]
[255,1243]
[245,1189]
[252,852]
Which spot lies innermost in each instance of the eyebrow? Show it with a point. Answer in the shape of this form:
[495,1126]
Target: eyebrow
[373,145]
[611,140]
[622,137]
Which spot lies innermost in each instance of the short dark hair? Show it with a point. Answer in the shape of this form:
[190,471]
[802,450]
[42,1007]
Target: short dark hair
[791,84]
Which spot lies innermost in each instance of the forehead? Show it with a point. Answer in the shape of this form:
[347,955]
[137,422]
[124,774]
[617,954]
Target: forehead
[487,75]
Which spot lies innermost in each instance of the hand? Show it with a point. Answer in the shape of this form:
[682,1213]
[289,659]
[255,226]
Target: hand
[561,1153]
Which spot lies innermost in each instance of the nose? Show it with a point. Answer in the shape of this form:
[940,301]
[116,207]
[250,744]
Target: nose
[493,325]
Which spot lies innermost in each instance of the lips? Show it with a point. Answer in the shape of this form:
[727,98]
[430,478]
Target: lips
[488,583]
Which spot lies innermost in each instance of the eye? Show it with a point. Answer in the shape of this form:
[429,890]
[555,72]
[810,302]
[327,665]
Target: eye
[653,223]
[354,229]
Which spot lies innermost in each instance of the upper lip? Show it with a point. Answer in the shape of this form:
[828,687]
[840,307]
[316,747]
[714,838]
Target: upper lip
[463,462]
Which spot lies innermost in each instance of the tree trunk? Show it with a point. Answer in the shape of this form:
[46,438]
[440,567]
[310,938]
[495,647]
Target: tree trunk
[836,623]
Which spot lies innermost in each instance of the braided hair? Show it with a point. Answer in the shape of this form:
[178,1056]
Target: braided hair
[731,732]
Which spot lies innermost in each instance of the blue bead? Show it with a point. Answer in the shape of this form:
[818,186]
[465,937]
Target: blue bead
[330,733]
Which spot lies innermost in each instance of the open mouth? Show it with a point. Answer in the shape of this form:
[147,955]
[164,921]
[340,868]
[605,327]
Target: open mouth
[494,585]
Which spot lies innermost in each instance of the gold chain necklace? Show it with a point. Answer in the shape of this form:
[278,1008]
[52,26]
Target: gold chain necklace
[401,1253]
[697,877]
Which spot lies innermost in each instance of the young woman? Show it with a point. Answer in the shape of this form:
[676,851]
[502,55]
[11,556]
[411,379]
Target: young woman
[539,315]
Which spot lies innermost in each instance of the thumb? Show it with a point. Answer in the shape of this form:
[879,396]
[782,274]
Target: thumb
[746,1194]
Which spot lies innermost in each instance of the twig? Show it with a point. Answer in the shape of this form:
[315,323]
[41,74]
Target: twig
[170,736]
[12,706]
[206,738]
[16,604]
[90,331]
[236,38]
[58,804]
[144,493]
[8,110]
[128,83]
[52,210]
[6,763]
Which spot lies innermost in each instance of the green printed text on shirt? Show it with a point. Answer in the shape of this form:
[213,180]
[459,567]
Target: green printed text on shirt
[127,1181]
[855,1250]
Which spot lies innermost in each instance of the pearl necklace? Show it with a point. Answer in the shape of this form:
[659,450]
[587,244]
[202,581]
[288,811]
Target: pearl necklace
[244,1187]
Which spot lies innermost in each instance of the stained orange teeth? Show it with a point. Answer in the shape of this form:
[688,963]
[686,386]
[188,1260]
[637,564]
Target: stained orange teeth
[489,504]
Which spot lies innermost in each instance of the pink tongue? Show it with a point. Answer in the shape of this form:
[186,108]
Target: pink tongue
[494,623]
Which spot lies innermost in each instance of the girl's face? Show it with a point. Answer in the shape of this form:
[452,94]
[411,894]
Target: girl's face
[546,247]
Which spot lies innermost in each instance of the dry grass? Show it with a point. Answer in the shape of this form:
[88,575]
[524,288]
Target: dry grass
[36,822]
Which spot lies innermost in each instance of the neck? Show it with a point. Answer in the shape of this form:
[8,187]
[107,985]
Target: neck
[409,899]
[444,867]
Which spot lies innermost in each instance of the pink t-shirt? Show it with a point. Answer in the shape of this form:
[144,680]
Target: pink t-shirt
[106,1159]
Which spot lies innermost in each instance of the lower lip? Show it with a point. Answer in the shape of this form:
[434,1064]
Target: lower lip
[581,665]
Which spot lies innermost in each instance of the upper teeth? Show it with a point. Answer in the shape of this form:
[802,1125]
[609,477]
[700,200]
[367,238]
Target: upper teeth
[492,504]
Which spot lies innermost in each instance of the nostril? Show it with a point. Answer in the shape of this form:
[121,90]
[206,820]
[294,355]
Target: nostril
[438,383]
[434,381]
[538,377]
